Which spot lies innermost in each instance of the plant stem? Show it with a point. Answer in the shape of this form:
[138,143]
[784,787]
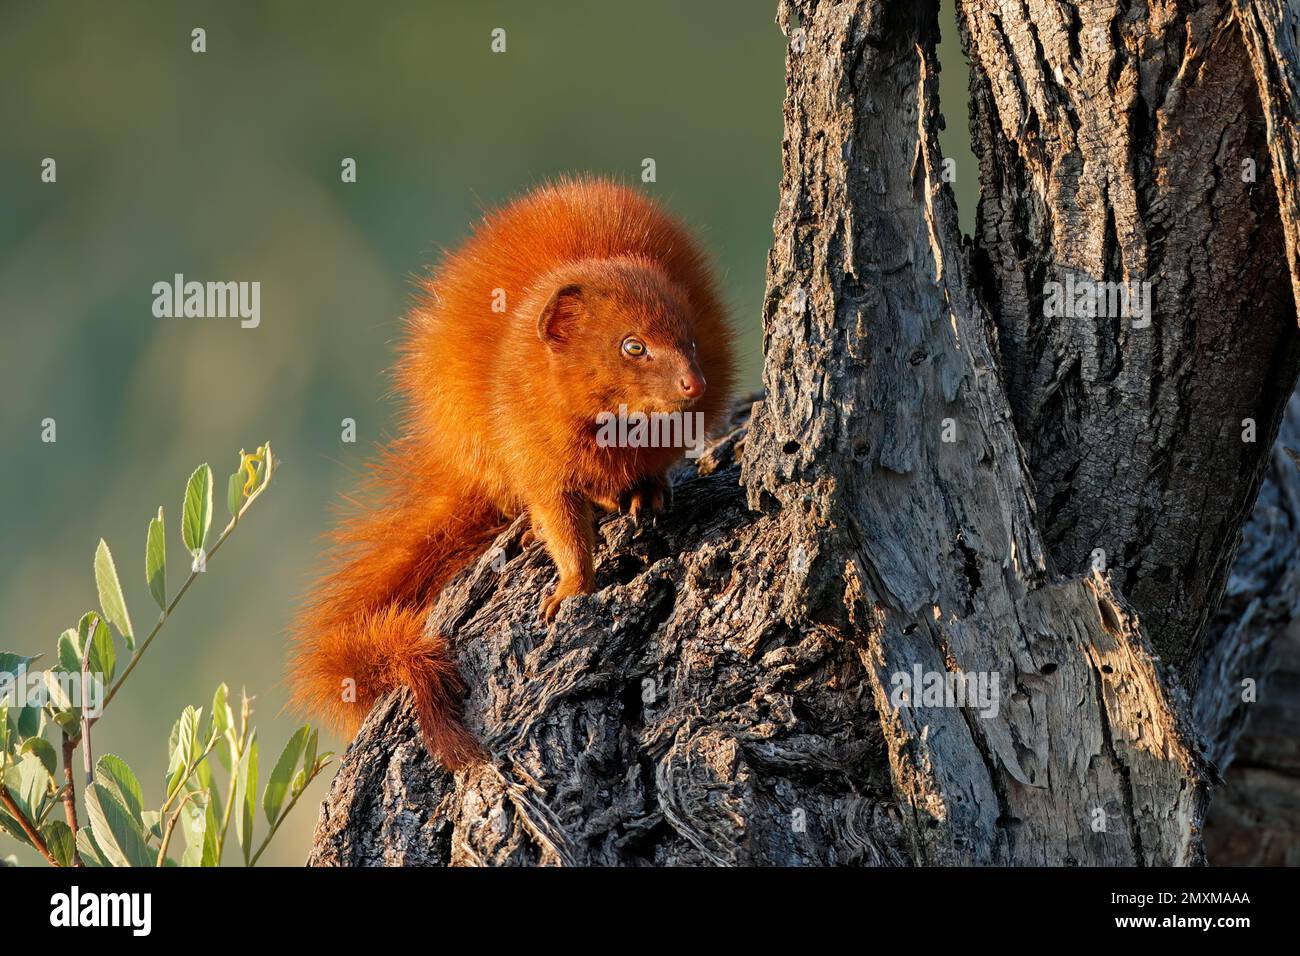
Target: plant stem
[162,618]
[33,835]
[293,801]
[236,754]
[70,797]
[85,698]
[167,833]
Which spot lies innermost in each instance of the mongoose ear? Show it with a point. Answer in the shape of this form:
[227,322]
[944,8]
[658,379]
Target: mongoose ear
[561,312]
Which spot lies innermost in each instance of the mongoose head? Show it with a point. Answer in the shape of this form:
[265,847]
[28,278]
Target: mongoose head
[620,332]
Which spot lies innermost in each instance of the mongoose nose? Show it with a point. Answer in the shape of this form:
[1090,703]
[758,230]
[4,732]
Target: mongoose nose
[692,385]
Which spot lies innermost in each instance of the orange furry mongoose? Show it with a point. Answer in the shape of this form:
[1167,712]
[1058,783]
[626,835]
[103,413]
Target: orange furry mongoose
[576,299]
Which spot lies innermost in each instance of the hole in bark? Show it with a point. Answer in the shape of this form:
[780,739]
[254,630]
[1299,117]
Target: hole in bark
[1107,669]
[442,840]
[623,567]
[643,842]
[1048,668]
[632,702]
[1110,617]
[790,447]
[662,600]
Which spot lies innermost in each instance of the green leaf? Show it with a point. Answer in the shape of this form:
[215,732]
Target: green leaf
[10,665]
[175,760]
[196,513]
[202,829]
[4,734]
[222,717]
[222,729]
[44,752]
[14,677]
[103,655]
[188,738]
[66,714]
[116,832]
[91,854]
[70,650]
[277,787]
[63,683]
[112,773]
[155,560]
[34,783]
[28,722]
[59,841]
[309,755]
[234,494]
[111,600]
[12,827]
[184,747]
[246,796]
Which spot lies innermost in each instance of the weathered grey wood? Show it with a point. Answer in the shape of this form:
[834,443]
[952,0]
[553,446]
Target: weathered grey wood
[727,695]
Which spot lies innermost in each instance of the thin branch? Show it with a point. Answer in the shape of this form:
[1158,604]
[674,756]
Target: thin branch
[171,825]
[33,834]
[236,754]
[88,758]
[70,797]
[293,801]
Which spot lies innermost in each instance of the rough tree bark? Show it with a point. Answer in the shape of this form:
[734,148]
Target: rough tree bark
[1111,138]
[921,489]
[1248,702]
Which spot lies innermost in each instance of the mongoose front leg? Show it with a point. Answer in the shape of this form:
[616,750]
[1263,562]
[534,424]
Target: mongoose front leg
[565,528]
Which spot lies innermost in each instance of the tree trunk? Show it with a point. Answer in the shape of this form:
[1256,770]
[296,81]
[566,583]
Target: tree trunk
[921,493]
[1248,703]
[1113,144]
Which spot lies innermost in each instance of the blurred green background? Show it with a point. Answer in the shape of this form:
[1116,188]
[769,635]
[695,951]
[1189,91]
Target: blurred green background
[225,166]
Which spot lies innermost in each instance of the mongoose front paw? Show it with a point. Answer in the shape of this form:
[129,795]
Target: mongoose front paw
[650,496]
[564,590]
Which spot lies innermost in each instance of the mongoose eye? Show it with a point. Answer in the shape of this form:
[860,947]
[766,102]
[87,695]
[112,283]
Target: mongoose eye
[633,346]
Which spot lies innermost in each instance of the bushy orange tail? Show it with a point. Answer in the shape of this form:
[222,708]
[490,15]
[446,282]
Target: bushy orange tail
[362,633]
[347,669]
